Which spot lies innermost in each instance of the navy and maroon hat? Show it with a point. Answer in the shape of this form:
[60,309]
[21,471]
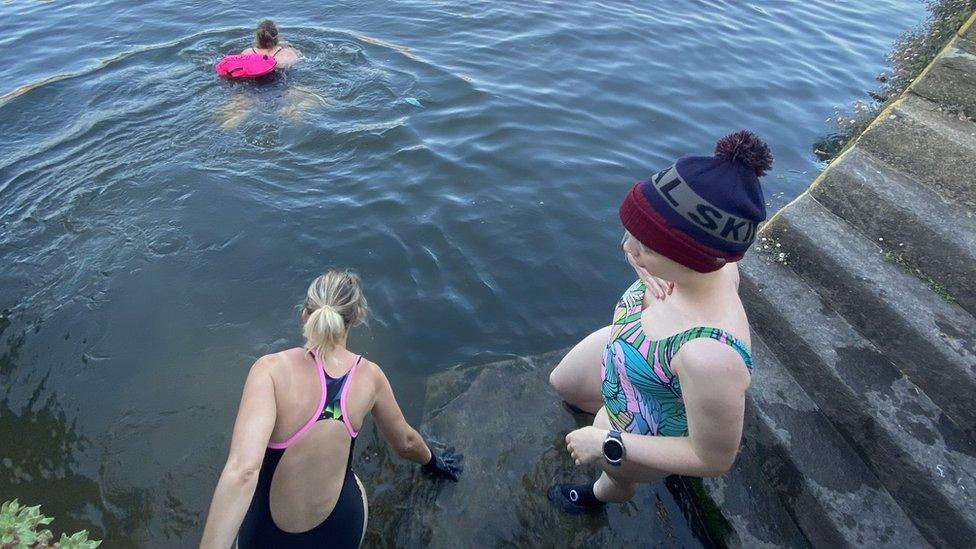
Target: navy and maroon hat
[703,211]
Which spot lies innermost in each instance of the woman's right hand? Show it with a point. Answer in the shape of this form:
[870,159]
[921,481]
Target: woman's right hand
[658,287]
[447,465]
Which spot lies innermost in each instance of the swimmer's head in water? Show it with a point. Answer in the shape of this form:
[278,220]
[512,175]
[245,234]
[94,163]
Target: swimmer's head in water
[703,211]
[267,34]
[334,303]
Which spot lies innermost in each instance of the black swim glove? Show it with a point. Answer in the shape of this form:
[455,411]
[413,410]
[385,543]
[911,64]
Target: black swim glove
[447,465]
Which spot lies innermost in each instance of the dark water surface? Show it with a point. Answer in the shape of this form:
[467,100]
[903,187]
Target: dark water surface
[154,240]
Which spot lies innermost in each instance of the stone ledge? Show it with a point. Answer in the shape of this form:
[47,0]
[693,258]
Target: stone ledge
[951,80]
[905,218]
[918,139]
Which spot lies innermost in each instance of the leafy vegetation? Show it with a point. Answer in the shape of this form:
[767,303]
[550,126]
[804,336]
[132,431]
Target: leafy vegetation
[23,527]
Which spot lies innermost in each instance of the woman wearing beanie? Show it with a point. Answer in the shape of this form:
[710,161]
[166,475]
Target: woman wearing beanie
[667,379]
[288,481]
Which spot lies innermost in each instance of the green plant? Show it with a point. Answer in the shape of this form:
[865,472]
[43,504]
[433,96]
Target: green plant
[19,529]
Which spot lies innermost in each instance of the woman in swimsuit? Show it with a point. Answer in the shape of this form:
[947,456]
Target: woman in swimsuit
[266,41]
[667,379]
[288,481]
[296,100]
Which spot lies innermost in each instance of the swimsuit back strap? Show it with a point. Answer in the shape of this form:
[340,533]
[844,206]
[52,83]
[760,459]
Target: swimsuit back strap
[676,341]
[318,410]
[275,54]
[342,398]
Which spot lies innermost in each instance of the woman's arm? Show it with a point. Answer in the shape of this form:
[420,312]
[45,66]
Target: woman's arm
[404,439]
[288,57]
[713,384]
[252,431]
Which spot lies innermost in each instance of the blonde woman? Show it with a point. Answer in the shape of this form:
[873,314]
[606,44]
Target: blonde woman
[288,481]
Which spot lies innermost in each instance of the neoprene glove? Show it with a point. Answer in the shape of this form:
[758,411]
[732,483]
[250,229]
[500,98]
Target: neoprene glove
[447,465]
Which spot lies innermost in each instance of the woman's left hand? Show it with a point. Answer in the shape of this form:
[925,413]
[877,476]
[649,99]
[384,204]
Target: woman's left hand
[586,444]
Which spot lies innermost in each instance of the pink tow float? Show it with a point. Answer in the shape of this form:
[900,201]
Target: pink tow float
[246,65]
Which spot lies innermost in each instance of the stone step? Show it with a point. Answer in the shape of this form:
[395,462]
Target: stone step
[930,340]
[934,147]
[906,219]
[510,425]
[951,79]
[925,461]
[833,496]
[747,501]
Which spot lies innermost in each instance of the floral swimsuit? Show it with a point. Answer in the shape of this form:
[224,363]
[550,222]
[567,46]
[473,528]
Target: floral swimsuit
[641,393]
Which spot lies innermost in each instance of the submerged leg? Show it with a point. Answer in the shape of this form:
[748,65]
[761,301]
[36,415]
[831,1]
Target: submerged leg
[298,101]
[616,484]
[237,109]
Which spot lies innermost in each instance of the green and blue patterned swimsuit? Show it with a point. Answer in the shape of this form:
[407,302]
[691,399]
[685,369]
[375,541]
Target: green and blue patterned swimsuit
[640,392]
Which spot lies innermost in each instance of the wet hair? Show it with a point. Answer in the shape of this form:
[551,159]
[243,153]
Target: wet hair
[334,303]
[267,34]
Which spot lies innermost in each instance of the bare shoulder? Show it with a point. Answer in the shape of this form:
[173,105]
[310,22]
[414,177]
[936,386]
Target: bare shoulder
[287,57]
[370,369]
[277,363]
[712,360]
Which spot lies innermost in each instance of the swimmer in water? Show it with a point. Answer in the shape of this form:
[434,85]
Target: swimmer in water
[666,381]
[268,42]
[289,479]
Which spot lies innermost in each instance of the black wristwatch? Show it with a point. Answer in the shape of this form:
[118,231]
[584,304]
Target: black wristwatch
[613,448]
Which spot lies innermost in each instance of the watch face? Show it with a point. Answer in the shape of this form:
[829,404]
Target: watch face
[613,450]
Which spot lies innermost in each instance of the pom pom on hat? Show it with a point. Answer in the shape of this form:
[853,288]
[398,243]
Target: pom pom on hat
[745,148]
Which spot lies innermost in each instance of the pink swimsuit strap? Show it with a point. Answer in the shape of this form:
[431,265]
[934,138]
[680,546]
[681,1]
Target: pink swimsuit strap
[323,389]
[342,398]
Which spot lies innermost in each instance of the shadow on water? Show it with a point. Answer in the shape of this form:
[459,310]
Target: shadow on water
[40,464]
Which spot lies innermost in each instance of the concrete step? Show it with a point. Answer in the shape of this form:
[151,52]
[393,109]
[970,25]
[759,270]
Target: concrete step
[930,340]
[747,501]
[510,426]
[921,457]
[833,495]
[932,146]
[951,79]
[906,219]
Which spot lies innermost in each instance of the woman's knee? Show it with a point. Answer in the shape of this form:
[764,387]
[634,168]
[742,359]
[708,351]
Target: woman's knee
[577,377]
[557,378]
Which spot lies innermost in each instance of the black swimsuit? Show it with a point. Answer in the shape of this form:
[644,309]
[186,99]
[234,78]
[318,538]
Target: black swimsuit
[344,526]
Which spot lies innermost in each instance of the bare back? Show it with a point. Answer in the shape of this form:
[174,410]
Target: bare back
[309,477]
[287,56]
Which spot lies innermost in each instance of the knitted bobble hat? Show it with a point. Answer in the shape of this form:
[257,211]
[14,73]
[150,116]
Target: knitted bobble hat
[703,211]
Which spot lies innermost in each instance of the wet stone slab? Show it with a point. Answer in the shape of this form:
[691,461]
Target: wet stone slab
[510,426]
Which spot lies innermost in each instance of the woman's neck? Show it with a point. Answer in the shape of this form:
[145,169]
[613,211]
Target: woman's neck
[700,288]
